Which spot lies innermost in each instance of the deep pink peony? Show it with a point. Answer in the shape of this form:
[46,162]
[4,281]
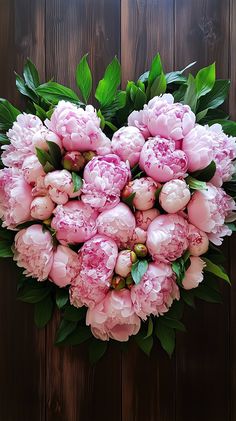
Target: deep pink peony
[209,209]
[33,251]
[21,135]
[117,223]
[144,218]
[65,266]
[127,143]
[15,198]
[74,222]
[167,237]
[114,317]
[104,178]
[41,207]
[79,129]
[155,292]
[174,196]
[194,274]
[60,186]
[32,169]
[144,189]
[198,241]
[161,161]
[97,259]
[198,145]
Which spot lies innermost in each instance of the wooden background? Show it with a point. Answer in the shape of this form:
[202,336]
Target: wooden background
[39,382]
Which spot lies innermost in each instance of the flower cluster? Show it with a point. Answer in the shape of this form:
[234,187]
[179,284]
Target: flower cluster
[132,207]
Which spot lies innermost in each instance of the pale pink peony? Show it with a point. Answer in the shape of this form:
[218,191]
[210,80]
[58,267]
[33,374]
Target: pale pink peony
[138,119]
[209,209]
[75,222]
[33,251]
[41,207]
[21,135]
[198,145]
[161,161]
[144,189]
[117,223]
[114,317]
[32,169]
[198,241]
[60,186]
[97,259]
[127,143]
[79,129]
[167,237]
[174,196]
[194,274]
[15,198]
[155,292]
[39,189]
[42,136]
[104,178]
[144,218]
[65,266]
[124,262]
[168,119]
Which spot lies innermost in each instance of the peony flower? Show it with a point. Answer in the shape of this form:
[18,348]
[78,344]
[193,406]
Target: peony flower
[209,209]
[139,237]
[41,207]
[198,241]
[144,218]
[33,251]
[127,143]
[79,129]
[114,317]
[197,145]
[104,178]
[32,169]
[161,161]
[60,186]
[168,119]
[39,189]
[167,237]
[174,196]
[15,198]
[74,222]
[155,292]
[73,161]
[97,259]
[65,266]
[42,136]
[124,262]
[194,275]
[139,119]
[117,223]
[144,189]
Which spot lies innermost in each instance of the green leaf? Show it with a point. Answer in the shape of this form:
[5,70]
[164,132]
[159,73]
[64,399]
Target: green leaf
[40,112]
[107,87]
[5,248]
[109,111]
[201,115]
[54,92]
[62,297]
[24,89]
[8,114]
[6,234]
[188,297]
[216,96]
[4,139]
[77,182]
[138,270]
[228,126]
[177,76]
[231,226]
[173,323]
[140,99]
[150,328]
[145,343]
[179,94]
[44,159]
[205,174]
[55,154]
[176,310]
[96,350]
[78,336]
[178,267]
[166,336]
[215,269]
[43,311]
[74,314]
[33,293]
[205,80]
[102,122]
[159,86]
[190,96]
[207,294]
[111,126]
[195,184]
[155,70]
[31,75]
[129,200]
[84,78]
[65,329]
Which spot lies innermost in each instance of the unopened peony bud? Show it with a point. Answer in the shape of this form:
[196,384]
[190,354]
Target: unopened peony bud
[47,222]
[127,191]
[73,161]
[129,281]
[174,196]
[118,282]
[144,189]
[124,262]
[140,250]
[42,207]
[88,156]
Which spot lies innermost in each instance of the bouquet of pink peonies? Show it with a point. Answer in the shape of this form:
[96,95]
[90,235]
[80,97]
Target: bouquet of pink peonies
[114,214]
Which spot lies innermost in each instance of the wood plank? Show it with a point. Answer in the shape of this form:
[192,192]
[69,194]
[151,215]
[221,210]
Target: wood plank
[22,365]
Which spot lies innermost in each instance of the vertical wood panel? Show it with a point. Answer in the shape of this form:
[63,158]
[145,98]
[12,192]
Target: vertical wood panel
[202,384]
[22,351]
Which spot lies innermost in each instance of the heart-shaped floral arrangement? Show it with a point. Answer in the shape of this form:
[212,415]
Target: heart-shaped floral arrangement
[113,215]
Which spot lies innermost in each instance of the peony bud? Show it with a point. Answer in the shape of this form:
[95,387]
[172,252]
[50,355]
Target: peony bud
[42,207]
[144,189]
[198,241]
[118,282]
[47,222]
[73,161]
[124,262]
[88,156]
[174,196]
[140,250]
[129,281]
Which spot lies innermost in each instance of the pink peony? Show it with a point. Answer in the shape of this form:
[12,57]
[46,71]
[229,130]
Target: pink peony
[144,218]
[21,135]
[32,169]
[127,143]
[64,267]
[114,317]
[79,129]
[42,136]
[144,189]
[39,189]
[74,222]
[169,120]
[117,223]
[73,161]
[15,198]
[124,262]
[97,259]
[198,241]
[139,119]
[197,145]
[155,292]
[139,237]
[60,186]
[41,207]
[104,178]
[161,161]
[34,251]
[209,209]
[174,196]
[194,275]
[167,237]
